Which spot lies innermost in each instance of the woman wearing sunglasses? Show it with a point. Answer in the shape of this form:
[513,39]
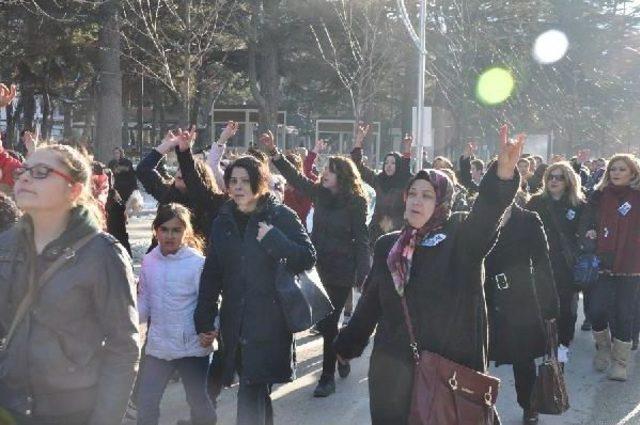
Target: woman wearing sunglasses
[560,203]
[71,358]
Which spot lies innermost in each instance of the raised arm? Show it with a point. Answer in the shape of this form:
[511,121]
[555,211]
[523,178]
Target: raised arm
[147,172]
[208,198]
[217,152]
[368,175]
[288,171]
[497,191]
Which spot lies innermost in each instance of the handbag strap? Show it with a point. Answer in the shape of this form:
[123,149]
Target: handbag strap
[566,246]
[30,296]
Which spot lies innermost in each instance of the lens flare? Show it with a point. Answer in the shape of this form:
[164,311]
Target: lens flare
[494,86]
[550,47]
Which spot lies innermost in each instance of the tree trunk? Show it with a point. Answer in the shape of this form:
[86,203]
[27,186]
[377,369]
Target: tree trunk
[109,121]
[264,55]
[45,129]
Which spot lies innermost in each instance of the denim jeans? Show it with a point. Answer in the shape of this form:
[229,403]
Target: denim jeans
[613,303]
[154,377]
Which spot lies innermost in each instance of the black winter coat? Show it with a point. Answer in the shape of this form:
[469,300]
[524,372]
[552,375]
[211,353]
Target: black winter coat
[388,214]
[520,290]
[125,181]
[339,234]
[446,300]
[255,339]
[204,204]
[567,218]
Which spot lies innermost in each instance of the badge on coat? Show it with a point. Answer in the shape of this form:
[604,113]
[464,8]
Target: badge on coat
[434,240]
[571,214]
[624,209]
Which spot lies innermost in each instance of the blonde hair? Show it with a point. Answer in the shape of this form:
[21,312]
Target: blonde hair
[632,163]
[447,163]
[79,169]
[573,188]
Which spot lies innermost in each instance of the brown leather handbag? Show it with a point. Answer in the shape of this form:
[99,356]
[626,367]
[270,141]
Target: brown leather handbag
[550,395]
[447,393]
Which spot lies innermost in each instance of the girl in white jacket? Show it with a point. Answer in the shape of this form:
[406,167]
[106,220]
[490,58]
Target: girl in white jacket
[168,293]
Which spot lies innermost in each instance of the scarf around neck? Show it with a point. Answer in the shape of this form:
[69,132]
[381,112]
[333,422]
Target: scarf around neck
[618,232]
[400,257]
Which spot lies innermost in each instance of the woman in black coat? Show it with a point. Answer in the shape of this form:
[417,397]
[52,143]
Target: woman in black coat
[192,186]
[521,294]
[389,185]
[441,276]
[250,236]
[124,175]
[341,239]
[559,204]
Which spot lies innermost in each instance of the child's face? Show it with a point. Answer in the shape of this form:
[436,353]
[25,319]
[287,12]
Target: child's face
[170,235]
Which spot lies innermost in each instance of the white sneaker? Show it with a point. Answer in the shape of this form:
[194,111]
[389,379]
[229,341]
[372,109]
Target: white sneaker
[563,354]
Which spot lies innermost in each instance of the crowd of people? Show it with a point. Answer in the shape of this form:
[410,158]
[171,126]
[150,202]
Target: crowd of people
[478,260]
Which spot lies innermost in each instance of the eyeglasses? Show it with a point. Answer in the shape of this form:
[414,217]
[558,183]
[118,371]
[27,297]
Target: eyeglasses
[40,172]
[557,177]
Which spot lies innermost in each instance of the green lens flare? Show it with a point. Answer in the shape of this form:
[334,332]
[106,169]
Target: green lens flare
[494,86]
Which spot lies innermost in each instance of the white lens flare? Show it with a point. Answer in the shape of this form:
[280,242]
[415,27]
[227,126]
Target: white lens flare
[550,47]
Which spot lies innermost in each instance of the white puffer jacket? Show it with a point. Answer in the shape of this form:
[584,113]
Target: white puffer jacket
[168,294]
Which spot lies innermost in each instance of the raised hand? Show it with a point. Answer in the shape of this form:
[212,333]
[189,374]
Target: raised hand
[171,141]
[361,134]
[268,142]
[509,153]
[7,94]
[470,149]
[187,138]
[263,229]
[320,146]
[407,141]
[229,131]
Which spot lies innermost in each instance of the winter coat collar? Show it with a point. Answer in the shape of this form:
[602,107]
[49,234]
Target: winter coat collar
[184,252]
[265,205]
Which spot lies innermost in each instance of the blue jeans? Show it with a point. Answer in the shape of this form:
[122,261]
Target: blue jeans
[155,375]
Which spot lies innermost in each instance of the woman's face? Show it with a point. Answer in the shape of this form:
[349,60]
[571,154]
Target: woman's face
[170,235]
[48,191]
[390,165]
[329,179]
[240,190]
[620,174]
[523,167]
[556,182]
[420,203]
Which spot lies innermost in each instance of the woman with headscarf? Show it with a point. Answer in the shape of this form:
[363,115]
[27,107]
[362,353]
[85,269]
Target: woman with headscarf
[389,185]
[436,262]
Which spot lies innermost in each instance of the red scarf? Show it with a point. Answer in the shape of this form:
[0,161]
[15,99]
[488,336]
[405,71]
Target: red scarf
[618,233]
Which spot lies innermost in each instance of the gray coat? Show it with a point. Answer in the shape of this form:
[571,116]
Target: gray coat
[78,349]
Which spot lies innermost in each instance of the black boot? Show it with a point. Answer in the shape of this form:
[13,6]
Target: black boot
[326,387]
[529,417]
[344,369]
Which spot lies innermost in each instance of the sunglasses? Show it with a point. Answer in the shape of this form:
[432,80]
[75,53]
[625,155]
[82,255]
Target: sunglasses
[40,172]
[557,177]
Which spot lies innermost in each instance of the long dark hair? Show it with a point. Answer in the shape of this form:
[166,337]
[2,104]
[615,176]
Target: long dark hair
[349,180]
[258,171]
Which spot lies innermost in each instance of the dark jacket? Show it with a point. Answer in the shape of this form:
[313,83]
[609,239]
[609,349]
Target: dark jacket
[388,214]
[339,233]
[116,212]
[203,203]
[255,338]
[445,296]
[125,177]
[567,218]
[520,289]
[78,349]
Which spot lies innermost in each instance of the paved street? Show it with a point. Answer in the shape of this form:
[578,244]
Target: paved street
[594,399]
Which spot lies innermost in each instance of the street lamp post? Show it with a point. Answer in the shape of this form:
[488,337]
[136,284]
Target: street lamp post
[420,42]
